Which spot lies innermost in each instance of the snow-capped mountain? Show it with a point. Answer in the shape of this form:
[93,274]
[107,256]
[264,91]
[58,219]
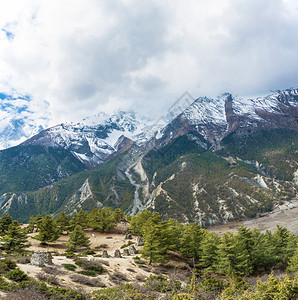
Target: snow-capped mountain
[94,139]
[17,122]
[214,118]
[218,159]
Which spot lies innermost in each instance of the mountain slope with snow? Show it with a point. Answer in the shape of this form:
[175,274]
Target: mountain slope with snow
[219,159]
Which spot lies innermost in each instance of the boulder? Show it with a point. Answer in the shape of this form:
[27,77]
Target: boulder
[40,258]
[132,250]
[117,253]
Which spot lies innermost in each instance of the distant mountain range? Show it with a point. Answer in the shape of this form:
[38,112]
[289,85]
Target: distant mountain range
[218,160]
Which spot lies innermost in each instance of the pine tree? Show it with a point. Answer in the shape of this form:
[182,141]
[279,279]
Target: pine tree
[156,234]
[5,221]
[48,231]
[280,240]
[81,218]
[293,263]
[102,219]
[244,245]
[78,238]
[137,222]
[209,248]
[62,222]
[191,241]
[226,256]
[118,215]
[16,238]
[175,232]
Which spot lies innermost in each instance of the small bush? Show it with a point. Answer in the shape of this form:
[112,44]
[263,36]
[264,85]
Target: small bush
[141,278]
[130,270]
[24,259]
[53,270]
[118,277]
[88,273]
[87,252]
[69,254]
[86,281]
[26,294]
[162,284]
[92,265]
[69,267]
[4,285]
[6,265]
[127,244]
[51,279]
[17,275]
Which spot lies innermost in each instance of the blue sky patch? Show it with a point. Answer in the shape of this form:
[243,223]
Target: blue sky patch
[9,35]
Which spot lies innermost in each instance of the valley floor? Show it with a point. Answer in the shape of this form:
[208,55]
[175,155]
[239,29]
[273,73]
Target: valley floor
[286,215]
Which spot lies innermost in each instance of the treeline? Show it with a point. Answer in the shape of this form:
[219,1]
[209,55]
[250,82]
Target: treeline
[247,252]
[14,238]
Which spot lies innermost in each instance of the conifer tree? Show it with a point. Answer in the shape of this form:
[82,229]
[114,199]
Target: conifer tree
[62,222]
[138,221]
[48,231]
[226,254]
[118,215]
[209,248]
[5,221]
[15,238]
[244,245]
[175,232]
[156,234]
[191,241]
[280,240]
[81,218]
[78,238]
[293,263]
[102,219]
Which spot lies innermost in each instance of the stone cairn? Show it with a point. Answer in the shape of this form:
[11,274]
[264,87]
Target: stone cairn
[128,236]
[125,252]
[132,250]
[105,254]
[117,254]
[40,258]
[140,241]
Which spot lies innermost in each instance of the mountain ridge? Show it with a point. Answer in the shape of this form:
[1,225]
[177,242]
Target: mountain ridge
[149,164]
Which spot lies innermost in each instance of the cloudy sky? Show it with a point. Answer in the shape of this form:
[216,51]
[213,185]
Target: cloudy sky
[79,57]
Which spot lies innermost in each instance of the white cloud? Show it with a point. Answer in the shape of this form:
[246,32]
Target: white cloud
[87,56]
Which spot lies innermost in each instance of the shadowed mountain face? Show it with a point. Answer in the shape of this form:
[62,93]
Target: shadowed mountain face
[220,159]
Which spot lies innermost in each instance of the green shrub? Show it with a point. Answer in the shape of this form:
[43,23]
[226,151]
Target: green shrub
[127,244]
[7,264]
[162,284]
[90,265]
[4,285]
[88,273]
[69,267]
[17,275]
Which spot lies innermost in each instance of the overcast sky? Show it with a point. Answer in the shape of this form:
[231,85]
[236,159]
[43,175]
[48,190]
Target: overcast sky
[86,56]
